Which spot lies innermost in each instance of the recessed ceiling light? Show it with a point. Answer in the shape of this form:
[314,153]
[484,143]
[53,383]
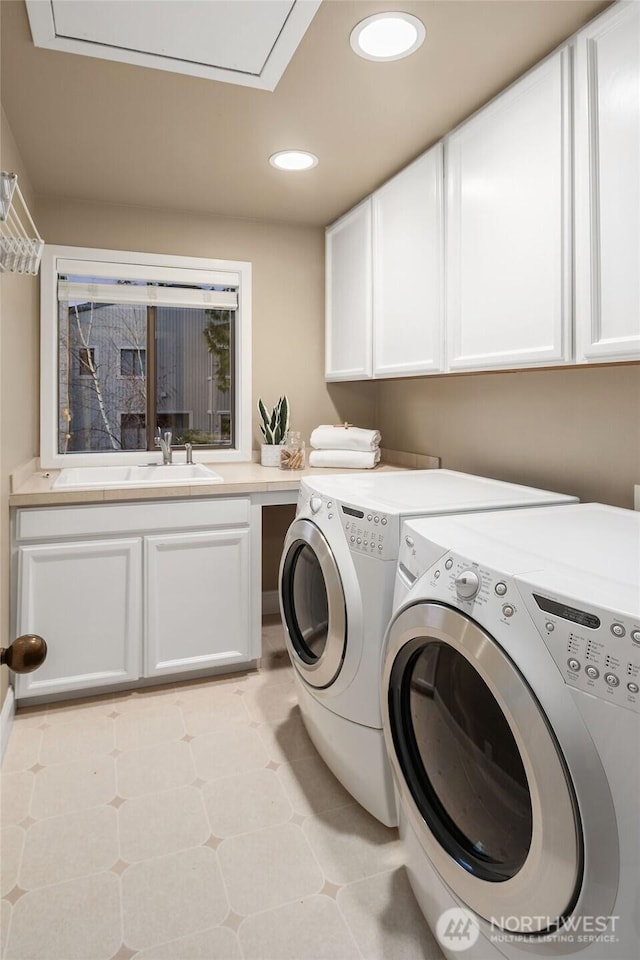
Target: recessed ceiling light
[293,160]
[387,36]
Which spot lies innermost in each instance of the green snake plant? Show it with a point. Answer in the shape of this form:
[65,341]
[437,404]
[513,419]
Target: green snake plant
[274,425]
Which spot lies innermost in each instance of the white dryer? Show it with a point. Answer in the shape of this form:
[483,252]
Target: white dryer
[336,590]
[511,705]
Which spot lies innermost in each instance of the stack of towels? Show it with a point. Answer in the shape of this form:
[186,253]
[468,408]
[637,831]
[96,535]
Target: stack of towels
[344,446]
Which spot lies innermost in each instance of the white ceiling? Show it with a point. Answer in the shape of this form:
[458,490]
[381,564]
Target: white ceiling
[92,129]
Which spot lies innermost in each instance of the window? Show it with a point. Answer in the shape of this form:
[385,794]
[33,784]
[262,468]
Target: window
[133,342]
[133,362]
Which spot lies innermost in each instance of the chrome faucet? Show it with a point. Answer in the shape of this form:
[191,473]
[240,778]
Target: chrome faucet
[164,442]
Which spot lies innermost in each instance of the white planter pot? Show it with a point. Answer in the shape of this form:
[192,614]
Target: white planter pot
[270,454]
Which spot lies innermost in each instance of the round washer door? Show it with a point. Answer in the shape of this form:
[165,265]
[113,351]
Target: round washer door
[313,604]
[479,771]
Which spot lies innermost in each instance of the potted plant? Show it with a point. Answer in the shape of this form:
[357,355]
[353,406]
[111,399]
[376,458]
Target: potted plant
[273,426]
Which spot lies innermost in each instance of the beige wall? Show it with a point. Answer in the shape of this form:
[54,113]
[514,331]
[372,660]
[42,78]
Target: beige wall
[19,383]
[575,430]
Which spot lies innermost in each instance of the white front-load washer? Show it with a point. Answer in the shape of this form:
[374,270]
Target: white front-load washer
[511,710]
[336,589]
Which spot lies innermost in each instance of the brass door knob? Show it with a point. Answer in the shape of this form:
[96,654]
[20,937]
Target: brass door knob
[25,654]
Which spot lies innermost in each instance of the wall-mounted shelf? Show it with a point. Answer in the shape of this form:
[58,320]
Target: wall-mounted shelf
[21,245]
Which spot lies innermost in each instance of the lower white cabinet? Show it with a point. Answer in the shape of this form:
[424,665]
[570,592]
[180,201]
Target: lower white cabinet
[121,592]
[196,609]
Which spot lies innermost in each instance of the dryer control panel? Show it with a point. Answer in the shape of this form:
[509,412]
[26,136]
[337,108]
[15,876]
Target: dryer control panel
[596,650]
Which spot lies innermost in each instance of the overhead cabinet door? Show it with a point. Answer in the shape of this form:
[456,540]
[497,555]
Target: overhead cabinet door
[508,242]
[407,270]
[607,128]
[348,296]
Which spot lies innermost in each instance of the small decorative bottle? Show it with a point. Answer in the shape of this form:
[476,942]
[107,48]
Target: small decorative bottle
[292,451]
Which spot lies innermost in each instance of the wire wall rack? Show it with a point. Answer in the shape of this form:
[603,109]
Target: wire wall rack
[21,245]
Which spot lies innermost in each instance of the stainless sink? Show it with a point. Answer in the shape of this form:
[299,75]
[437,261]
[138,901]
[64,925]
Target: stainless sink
[145,475]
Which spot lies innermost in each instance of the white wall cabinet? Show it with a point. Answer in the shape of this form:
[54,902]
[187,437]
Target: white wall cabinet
[348,334]
[508,227]
[408,238]
[607,186]
[125,591]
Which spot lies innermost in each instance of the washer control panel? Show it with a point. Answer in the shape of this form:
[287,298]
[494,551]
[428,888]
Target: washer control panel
[596,650]
[369,532]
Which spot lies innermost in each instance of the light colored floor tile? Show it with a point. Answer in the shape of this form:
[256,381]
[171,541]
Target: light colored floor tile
[267,701]
[204,712]
[350,844]
[134,701]
[77,920]
[311,787]
[287,740]
[162,823]
[17,789]
[30,716]
[23,748]
[66,787]
[165,766]
[11,844]
[274,637]
[234,749]
[171,897]
[63,848]
[385,919]
[77,711]
[70,741]
[156,723]
[309,929]
[5,919]
[248,802]
[217,944]
[267,868]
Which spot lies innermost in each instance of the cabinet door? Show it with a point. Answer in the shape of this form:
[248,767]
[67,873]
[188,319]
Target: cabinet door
[84,599]
[198,601]
[508,214]
[407,270]
[607,169]
[348,296]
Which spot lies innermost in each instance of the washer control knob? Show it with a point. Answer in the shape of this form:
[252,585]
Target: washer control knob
[500,588]
[315,503]
[508,610]
[410,542]
[467,584]
[448,564]
[618,630]
[611,680]
[592,672]
[635,636]
[573,664]
[633,687]
[550,626]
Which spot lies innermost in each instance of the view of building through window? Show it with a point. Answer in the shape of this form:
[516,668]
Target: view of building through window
[125,369]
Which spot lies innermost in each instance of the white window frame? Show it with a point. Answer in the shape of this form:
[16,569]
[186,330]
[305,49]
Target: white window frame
[128,264]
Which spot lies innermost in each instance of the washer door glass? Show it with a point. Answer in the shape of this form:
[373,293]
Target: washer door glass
[313,604]
[463,762]
[479,771]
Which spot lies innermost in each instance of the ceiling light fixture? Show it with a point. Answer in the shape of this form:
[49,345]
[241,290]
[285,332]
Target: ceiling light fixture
[387,36]
[293,160]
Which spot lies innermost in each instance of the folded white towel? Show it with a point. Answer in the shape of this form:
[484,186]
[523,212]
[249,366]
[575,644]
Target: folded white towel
[356,459]
[327,437]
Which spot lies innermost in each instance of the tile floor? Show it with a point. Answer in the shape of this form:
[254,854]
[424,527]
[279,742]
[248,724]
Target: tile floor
[193,822]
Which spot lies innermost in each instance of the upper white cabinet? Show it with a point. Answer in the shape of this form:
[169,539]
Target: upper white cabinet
[385,279]
[407,270]
[348,296]
[508,227]
[607,186]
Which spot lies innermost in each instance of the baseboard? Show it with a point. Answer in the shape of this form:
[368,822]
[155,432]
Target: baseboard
[270,602]
[6,720]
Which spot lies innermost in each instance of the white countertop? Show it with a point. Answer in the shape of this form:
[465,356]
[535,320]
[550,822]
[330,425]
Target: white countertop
[32,486]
